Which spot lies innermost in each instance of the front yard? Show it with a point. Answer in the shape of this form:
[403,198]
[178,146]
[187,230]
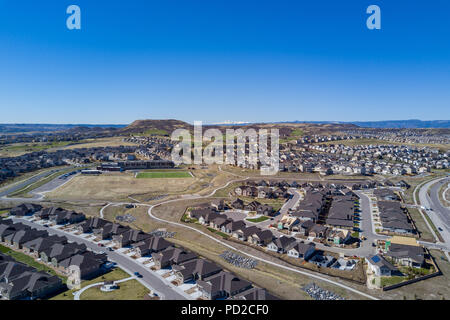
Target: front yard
[127,289]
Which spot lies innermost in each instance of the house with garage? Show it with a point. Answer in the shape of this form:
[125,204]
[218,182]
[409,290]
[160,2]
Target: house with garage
[25,209]
[193,270]
[233,226]
[302,250]
[380,266]
[282,244]
[172,256]
[261,237]
[222,285]
[129,237]
[150,245]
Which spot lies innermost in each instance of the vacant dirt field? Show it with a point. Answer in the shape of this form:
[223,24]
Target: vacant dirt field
[102,142]
[117,187]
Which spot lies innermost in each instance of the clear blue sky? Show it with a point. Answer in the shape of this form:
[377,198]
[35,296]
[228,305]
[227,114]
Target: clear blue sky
[215,60]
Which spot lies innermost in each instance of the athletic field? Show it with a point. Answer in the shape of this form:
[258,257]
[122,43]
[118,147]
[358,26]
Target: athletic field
[164,174]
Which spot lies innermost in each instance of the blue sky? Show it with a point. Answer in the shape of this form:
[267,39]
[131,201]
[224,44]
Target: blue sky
[214,60]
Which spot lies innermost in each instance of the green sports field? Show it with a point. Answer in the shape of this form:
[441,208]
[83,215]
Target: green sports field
[164,174]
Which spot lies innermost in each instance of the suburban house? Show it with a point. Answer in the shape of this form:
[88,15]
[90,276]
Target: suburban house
[90,224]
[150,245]
[171,256]
[197,269]
[244,232]
[302,250]
[90,264]
[232,226]
[282,244]
[129,237]
[19,281]
[108,230]
[407,255]
[25,209]
[380,266]
[260,237]
[36,246]
[222,285]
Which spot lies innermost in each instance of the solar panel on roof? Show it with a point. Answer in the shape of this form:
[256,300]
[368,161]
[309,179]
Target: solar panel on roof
[375,259]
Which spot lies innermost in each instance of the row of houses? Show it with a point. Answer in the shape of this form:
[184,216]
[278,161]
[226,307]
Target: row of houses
[262,192]
[20,281]
[393,215]
[212,280]
[402,135]
[56,251]
[260,208]
[252,234]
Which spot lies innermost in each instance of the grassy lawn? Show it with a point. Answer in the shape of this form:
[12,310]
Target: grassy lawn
[223,235]
[388,281]
[115,274]
[169,174]
[129,290]
[425,233]
[3,213]
[21,257]
[260,219]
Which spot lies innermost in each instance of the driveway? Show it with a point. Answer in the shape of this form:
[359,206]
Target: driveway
[149,279]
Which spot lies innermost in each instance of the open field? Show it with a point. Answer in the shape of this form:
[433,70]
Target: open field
[142,221]
[163,174]
[18,149]
[421,225]
[101,142]
[117,187]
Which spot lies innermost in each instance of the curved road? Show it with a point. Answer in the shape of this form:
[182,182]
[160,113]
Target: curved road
[309,274]
[439,215]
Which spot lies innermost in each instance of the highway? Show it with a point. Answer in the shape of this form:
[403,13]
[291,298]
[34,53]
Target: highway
[149,279]
[439,215]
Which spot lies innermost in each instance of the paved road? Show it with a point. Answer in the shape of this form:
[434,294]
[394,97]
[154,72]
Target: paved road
[27,182]
[439,215]
[149,279]
[38,192]
[311,274]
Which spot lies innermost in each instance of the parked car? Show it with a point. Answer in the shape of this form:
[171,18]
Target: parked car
[440,229]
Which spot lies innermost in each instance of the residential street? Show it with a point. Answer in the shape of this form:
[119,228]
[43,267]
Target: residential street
[149,279]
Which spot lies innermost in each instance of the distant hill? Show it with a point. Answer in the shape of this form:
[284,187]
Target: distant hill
[47,127]
[155,127]
[407,124]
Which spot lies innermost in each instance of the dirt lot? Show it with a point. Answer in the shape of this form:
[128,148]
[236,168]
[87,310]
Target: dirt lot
[102,142]
[117,187]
